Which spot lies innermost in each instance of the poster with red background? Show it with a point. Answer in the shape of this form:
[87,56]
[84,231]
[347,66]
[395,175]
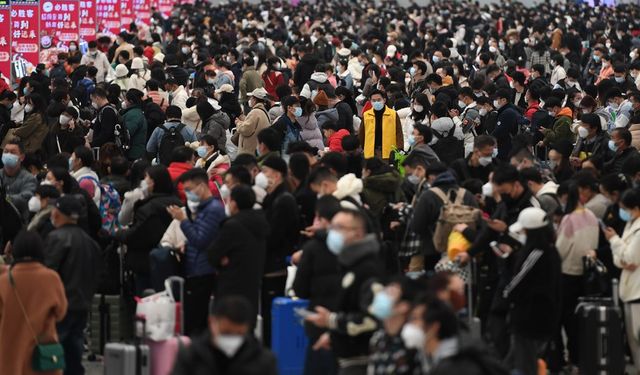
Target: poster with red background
[88,20]
[5,39]
[25,29]
[60,22]
[142,11]
[126,15]
[165,7]
[108,15]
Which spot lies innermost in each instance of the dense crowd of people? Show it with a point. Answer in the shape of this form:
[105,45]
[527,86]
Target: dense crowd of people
[446,179]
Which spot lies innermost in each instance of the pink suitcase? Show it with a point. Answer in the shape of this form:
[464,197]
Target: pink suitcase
[164,353]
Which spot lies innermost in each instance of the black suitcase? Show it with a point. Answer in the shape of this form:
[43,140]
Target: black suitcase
[110,320]
[601,336]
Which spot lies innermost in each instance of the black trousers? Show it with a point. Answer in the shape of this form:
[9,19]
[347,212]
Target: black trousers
[572,289]
[272,287]
[198,291]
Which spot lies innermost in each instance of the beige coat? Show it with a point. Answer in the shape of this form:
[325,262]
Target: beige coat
[42,294]
[248,130]
[635,135]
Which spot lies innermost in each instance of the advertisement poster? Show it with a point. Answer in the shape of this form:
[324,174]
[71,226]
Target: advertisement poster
[108,14]
[142,11]
[126,15]
[5,39]
[165,7]
[59,24]
[88,20]
[25,29]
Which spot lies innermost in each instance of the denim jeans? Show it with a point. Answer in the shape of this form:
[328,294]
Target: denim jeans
[71,336]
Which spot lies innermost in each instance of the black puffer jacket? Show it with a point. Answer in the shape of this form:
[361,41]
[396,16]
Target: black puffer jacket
[281,209]
[202,358]
[317,278]
[150,221]
[77,258]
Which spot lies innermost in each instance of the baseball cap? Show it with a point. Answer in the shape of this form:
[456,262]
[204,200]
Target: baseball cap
[529,218]
[69,206]
[225,88]
[259,93]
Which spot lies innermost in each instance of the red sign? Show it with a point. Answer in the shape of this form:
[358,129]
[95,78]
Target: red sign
[59,23]
[5,39]
[142,11]
[88,20]
[108,14]
[165,7]
[25,28]
[126,15]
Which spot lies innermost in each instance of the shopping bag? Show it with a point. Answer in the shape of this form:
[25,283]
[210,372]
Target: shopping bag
[159,311]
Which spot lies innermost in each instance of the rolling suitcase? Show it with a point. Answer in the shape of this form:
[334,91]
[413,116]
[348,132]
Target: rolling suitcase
[288,340]
[109,321]
[128,359]
[164,353]
[601,336]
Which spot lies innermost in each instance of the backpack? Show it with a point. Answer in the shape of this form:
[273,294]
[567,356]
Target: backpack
[120,132]
[109,205]
[452,213]
[171,138]
[154,115]
[448,148]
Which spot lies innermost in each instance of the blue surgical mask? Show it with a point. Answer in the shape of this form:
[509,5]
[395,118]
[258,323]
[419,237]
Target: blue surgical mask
[412,71]
[612,145]
[70,164]
[377,106]
[625,215]
[382,306]
[202,151]
[10,160]
[412,140]
[191,196]
[494,154]
[335,241]
[25,91]
[297,112]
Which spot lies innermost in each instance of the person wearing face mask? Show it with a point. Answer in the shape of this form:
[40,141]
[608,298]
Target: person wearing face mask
[18,183]
[41,205]
[250,127]
[470,117]
[593,142]
[381,129]
[625,256]
[7,100]
[606,71]
[391,305]
[558,73]
[562,119]
[619,109]
[211,159]
[65,135]
[135,122]
[419,140]
[227,346]
[162,133]
[620,145]
[634,72]
[34,128]
[287,125]
[98,59]
[349,327]
[106,119]
[621,80]
[507,125]
[280,207]
[249,82]
[200,229]
[272,77]
[140,76]
[480,163]
[536,277]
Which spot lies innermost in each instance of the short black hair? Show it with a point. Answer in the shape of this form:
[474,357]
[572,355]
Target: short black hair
[531,174]
[119,165]
[413,161]
[327,206]
[505,174]
[624,134]
[239,173]
[270,138]
[631,198]
[321,173]
[425,131]
[244,196]
[484,140]
[503,93]
[434,78]
[245,160]
[181,154]
[197,175]
[236,308]
[28,244]
[438,311]
[85,155]
[47,191]
[350,143]
[335,160]
[173,111]
[299,166]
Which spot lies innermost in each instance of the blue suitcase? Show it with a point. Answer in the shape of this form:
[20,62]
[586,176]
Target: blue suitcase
[288,341]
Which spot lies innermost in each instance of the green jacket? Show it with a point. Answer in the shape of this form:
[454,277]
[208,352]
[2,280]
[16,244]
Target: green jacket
[250,81]
[379,190]
[561,128]
[136,123]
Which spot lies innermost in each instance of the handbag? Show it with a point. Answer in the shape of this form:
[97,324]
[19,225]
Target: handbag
[595,278]
[45,357]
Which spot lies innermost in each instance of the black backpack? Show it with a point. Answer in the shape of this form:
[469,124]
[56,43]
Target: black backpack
[171,139]
[448,148]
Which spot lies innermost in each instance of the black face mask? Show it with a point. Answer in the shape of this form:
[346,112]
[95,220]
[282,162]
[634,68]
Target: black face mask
[506,198]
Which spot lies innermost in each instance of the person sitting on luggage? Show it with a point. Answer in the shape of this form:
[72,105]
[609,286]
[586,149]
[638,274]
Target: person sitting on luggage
[158,138]
[40,290]
[537,277]
[626,256]
[228,346]
[200,227]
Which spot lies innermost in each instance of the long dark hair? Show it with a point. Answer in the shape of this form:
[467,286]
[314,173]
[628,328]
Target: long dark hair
[162,183]
[541,238]
[27,246]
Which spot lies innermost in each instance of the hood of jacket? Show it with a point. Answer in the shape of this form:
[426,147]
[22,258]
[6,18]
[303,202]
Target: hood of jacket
[351,254]
[566,111]
[445,179]
[319,77]
[548,188]
[308,122]
[348,186]
[220,118]
[385,182]
[328,114]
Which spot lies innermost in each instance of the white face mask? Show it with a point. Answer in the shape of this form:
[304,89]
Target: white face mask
[28,108]
[262,181]
[496,104]
[64,120]
[483,112]
[229,344]
[418,108]
[413,336]
[485,160]
[487,189]
[34,204]
[583,132]
[193,206]
[225,193]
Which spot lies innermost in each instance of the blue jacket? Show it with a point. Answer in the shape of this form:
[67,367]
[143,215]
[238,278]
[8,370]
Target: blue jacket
[153,145]
[200,233]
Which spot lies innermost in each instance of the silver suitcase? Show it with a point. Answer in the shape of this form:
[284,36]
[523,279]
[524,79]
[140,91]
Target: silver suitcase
[123,359]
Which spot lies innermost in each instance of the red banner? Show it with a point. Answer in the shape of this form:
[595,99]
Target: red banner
[142,11]
[126,15]
[25,28]
[5,39]
[88,20]
[108,14]
[165,7]
[59,23]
